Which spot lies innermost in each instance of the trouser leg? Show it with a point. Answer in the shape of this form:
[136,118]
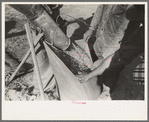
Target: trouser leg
[111,75]
[110,78]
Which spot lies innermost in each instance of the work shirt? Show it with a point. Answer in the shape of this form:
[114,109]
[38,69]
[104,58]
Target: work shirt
[110,23]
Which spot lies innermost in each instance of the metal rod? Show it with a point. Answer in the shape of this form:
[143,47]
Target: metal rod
[30,40]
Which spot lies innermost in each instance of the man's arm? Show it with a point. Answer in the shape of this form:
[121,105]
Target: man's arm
[97,16]
[101,68]
[94,23]
[97,71]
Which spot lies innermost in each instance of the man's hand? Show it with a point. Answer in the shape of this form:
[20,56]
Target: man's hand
[87,35]
[83,78]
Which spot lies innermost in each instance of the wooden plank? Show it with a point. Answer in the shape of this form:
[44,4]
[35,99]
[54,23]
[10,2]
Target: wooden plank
[30,40]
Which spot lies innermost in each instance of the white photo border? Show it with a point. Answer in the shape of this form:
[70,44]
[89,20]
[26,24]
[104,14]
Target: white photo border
[92,110]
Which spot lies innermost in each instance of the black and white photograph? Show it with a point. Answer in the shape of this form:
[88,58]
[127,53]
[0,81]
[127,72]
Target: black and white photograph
[81,53]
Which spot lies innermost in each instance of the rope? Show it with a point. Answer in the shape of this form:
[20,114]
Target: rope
[71,17]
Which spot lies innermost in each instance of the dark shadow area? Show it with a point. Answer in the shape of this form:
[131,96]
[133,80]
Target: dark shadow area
[9,26]
[14,34]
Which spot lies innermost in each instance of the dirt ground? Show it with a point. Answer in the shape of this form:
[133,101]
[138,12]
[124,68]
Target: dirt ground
[17,45]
